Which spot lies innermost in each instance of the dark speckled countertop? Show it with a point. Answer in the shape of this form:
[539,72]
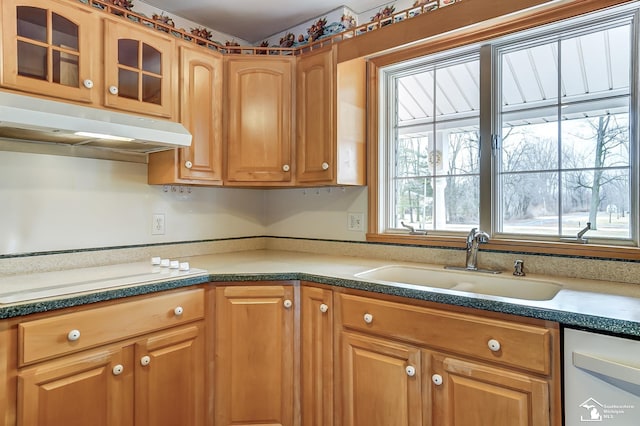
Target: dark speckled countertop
[596,305]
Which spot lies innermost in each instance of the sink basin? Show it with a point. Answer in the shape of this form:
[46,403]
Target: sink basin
[465,281]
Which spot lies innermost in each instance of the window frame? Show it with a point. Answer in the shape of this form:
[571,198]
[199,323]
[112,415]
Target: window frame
[467,37]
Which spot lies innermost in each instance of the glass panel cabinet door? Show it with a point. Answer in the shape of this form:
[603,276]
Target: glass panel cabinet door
[138,71]
[46,49]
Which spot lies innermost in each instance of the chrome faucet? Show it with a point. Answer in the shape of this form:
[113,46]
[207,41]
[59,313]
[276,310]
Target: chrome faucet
[474,239]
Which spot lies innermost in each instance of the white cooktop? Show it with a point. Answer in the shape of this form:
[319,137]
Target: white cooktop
[21,288]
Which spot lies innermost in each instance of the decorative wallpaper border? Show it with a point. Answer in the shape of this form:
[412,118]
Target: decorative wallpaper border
[318,34]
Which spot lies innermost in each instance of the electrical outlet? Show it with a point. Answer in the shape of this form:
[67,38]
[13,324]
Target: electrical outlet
[355,222]
[157,224]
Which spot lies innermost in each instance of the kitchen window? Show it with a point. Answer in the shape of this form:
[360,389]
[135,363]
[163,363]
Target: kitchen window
[531,136]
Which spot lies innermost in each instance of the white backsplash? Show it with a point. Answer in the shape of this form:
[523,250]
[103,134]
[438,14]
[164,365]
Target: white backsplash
[316,213]
[50,203]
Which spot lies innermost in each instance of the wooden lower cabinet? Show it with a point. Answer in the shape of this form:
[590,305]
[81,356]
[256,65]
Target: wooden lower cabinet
[403,364]
[316,346]
[254,361]
[78,390]
[169,378]
[379,388]
[470,393]
[156,380]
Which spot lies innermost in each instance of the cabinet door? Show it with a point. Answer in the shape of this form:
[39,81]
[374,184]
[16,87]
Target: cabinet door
[377,387]
[170,368]
[317,356]
[201,114]
[139,70]
[93,388]
[254,355]
[470,393]
[316,141]
[259,107]
[47,49]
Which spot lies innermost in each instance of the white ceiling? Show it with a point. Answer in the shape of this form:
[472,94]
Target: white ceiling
[255,20]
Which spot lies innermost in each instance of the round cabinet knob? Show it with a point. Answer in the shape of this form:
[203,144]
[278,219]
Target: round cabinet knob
[117,370]
[88,84]
[324,308]
[73,335]
[436,379]
[494,345]
[287,303]
[286,168]
[145,360]
[325,166]
[188,164]
[113,90]
[368,318]
[178,311]
[411,370]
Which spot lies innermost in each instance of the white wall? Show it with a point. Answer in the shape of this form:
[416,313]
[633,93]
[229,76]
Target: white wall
[315,213]
[50,202]
[60,203]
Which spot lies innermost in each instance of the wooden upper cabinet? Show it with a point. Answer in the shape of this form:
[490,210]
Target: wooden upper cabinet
[50,48]
[315,128]
[201,113]
[139,69]
[331,119]
[259,108]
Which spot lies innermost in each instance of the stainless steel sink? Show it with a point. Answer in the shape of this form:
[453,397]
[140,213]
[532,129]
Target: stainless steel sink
[464,281]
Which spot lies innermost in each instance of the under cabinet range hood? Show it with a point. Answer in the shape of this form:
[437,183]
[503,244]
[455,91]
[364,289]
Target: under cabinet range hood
[30,119]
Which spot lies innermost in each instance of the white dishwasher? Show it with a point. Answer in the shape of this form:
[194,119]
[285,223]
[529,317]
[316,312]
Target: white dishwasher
[601,379]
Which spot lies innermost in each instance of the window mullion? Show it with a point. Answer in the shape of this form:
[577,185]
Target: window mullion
[489,102]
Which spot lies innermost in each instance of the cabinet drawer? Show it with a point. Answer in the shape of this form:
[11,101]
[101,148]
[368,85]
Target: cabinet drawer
[523,346]
[50,337]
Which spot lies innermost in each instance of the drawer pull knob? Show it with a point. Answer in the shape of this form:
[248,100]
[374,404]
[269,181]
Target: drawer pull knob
[494,345]
[73,335]
[287,303]
[178,311]
[325,166]
[436,379]
[145,360]
[368,318]
[324,308]
[88,83]
[113,90]
[117,370]
[188,164]
[411,370]
[286,168]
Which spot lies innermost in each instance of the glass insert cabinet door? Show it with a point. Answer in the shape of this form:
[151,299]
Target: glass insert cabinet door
[47,49]
[138,70]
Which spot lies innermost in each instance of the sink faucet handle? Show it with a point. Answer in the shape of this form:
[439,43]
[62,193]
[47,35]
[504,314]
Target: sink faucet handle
[518,268]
